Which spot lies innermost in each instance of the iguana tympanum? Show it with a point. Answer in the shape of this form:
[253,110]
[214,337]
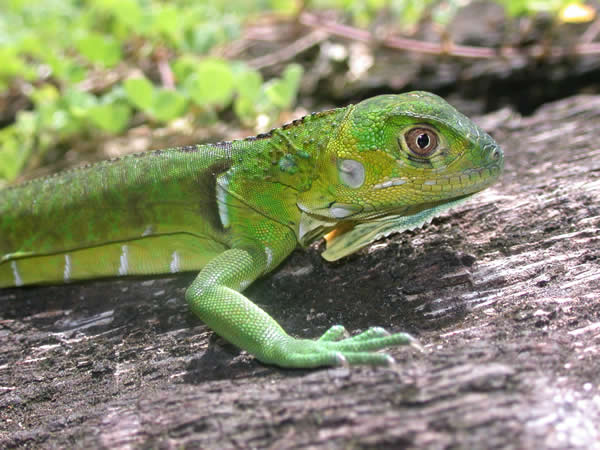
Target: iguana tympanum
[234,210]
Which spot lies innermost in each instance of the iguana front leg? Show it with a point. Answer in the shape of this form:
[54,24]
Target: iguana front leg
[215,296]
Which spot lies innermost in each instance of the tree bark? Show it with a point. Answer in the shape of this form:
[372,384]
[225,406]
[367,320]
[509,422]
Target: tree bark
[504,293]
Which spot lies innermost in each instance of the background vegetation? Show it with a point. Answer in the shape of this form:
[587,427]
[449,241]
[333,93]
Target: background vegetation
[77,75]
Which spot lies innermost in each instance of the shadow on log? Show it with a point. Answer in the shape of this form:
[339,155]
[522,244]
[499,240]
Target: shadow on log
[504,293]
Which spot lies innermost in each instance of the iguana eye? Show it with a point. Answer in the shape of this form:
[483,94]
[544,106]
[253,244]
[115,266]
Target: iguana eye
[421,141]
[351,172]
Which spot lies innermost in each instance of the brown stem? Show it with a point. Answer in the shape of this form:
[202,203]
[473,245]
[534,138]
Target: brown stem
[465,51]
[290,51]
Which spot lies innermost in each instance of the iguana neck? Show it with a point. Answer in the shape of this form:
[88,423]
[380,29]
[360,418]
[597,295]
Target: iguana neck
[290,155]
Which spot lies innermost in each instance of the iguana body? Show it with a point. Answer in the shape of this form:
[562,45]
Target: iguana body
[234,211]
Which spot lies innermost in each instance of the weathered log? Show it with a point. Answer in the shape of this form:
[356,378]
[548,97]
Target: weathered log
[504,293]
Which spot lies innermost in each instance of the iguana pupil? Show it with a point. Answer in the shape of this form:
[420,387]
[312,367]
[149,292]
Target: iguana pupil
[423,140]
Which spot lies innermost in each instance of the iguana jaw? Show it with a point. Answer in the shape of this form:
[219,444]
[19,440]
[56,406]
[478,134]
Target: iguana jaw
[312,227]
[362,234]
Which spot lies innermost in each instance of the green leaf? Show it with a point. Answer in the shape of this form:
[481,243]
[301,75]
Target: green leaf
[129,13]
[287,7]
[12,65]
[78,103]
[17,142]
[167,20]
[292,76]
[27,124]
[140,92]
[282,93]
[13,154]
[184,66]
[211,84]
[249,86]
[167,105]
[100,49]
[245,109]
[249,83]
[160,104]
[44,95]
[203,37]
[110,117]
[65,68]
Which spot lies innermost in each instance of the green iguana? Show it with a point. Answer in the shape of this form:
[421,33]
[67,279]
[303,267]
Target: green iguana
[234,210]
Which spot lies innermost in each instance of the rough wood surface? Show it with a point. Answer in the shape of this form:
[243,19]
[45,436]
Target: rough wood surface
[504,294]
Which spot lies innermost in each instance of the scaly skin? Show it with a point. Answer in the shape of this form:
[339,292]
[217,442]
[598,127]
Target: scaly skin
[235,210]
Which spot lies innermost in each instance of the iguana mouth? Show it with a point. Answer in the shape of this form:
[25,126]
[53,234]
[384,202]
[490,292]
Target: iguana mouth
[347,239]
[412,210]
[391,182]
[488,174]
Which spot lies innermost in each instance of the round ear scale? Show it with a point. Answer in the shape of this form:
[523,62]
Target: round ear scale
[352,173]
[421,141]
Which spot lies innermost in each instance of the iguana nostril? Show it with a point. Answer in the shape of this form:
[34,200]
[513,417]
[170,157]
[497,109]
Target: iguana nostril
[493,151]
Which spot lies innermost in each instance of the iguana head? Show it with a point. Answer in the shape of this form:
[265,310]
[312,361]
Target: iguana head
[401,155]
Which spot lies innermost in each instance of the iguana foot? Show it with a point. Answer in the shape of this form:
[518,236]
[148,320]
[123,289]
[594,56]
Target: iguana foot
[334,348]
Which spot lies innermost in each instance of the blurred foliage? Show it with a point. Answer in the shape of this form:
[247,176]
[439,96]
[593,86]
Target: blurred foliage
[51,49]
[409,12]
